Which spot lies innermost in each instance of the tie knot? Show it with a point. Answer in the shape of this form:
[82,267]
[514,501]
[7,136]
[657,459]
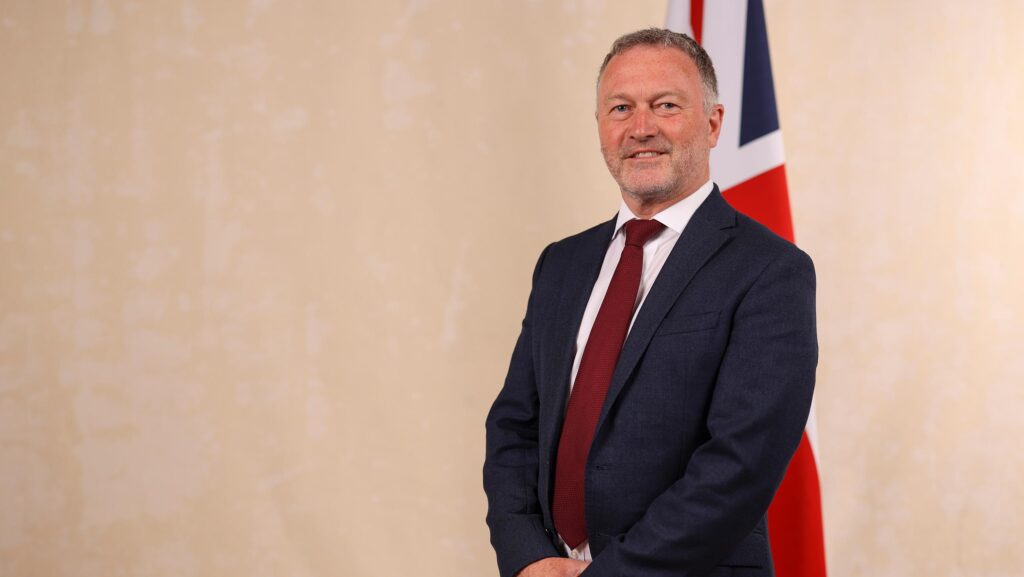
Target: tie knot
[638,232]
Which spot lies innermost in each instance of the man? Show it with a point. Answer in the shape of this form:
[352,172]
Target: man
[664,372]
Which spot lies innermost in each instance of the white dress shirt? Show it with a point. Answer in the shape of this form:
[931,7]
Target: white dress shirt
[656,251]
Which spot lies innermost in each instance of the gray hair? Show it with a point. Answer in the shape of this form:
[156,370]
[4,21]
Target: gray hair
[668,38]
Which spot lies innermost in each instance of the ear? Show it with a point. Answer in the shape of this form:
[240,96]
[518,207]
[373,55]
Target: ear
[715,124]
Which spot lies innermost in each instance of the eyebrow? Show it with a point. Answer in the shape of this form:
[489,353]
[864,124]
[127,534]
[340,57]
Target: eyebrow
[655,96]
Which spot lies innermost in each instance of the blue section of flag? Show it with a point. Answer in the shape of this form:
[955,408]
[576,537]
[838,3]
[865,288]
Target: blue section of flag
[759,115]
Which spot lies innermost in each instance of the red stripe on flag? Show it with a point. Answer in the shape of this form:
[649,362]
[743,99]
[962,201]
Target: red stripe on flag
[794,519]
[697,19]
[765,199]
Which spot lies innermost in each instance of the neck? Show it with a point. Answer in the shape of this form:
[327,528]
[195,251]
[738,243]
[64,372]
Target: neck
[647,208]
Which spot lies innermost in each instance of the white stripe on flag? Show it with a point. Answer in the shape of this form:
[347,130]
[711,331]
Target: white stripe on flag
[678,18]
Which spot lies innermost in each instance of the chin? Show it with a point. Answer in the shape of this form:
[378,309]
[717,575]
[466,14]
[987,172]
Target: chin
[649,191]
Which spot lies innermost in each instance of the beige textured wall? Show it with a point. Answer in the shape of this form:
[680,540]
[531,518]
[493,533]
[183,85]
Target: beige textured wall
[905,132]
[262,265]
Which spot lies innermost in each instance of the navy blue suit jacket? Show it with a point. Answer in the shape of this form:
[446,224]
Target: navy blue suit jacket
[705,409]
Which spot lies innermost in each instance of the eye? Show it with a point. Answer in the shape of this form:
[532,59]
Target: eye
[668,105]
[620,108]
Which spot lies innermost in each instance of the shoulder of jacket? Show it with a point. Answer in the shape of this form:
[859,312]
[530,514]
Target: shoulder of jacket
[751,232]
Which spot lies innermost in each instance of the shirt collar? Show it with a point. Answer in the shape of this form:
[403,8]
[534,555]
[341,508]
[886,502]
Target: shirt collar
[675,216]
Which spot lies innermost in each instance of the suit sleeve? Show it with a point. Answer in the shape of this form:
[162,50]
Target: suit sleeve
[755,420]
[511,465]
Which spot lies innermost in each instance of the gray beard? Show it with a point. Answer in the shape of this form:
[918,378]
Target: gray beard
[650,195]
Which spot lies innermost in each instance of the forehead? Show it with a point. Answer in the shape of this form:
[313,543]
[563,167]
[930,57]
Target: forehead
[646,68]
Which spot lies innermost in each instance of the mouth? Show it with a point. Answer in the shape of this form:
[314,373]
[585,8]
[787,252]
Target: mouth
[645,154]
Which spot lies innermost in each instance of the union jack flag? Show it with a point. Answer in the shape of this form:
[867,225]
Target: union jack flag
[749,167]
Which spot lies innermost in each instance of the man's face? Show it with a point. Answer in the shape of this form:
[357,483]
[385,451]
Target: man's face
[655,136]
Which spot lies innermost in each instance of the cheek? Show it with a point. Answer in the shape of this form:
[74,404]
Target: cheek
[609,149]
[609,135]
[611,159]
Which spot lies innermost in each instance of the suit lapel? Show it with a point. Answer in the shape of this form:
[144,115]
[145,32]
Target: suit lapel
[700,240]
[575,292]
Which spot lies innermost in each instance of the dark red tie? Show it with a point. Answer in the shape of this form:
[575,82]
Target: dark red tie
[592,380]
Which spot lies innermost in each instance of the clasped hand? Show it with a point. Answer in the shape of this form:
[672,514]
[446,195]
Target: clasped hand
[553,567]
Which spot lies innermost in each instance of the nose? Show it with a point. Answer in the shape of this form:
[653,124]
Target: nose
[644,124]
